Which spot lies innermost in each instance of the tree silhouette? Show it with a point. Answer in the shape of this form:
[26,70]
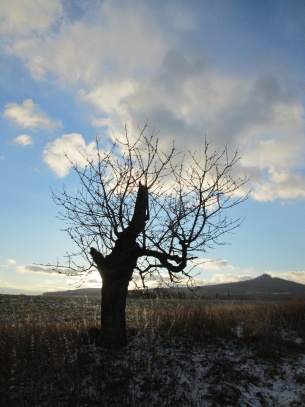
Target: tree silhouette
[141,210]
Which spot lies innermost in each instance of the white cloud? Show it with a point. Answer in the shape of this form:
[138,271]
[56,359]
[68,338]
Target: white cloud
[72,146]
[23,140]
[29,115]
[42,269]
[23,17]
[209,264]
[296,276]
[35,66]
[9,263]
[111,97]
[228,278]
[112,42]
[280,185]
[35,269]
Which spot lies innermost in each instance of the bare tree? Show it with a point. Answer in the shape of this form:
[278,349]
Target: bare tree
[140,209]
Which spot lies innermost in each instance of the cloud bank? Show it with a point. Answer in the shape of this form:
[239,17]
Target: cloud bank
[31,268]
[296,276]
[132,61]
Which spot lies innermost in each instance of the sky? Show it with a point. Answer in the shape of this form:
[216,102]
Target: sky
[228,70]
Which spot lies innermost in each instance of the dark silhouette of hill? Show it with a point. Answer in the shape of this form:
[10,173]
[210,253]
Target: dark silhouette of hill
[79,292]
[262,287]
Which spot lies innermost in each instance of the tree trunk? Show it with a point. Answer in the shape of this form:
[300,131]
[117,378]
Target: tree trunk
[116,271]
[114,294]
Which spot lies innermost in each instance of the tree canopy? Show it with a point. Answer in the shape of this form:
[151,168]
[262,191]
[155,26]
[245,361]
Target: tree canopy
[184,198]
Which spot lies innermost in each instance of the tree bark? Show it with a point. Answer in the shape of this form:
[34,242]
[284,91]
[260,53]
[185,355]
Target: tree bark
[114,294]
[116,270]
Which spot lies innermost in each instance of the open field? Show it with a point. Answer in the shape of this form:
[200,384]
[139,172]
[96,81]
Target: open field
[180,352]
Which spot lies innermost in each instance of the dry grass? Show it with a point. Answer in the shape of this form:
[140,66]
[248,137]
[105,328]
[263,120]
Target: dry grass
[206,320]
[48,358]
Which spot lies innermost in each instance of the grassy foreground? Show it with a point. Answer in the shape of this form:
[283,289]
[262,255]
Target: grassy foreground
[47,357]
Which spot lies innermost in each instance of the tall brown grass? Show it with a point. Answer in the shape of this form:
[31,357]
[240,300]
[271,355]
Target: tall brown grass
[202,320]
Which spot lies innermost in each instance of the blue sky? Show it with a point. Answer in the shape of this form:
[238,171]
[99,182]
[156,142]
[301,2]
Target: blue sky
[74,70]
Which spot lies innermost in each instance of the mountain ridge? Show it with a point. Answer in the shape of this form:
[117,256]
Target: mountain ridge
[263,286]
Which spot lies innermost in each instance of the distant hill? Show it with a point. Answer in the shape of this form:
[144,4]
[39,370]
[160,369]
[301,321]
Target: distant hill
[262,287]
[79,292]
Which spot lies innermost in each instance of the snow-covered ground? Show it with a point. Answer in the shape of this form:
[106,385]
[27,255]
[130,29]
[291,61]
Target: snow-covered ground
[156,371]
